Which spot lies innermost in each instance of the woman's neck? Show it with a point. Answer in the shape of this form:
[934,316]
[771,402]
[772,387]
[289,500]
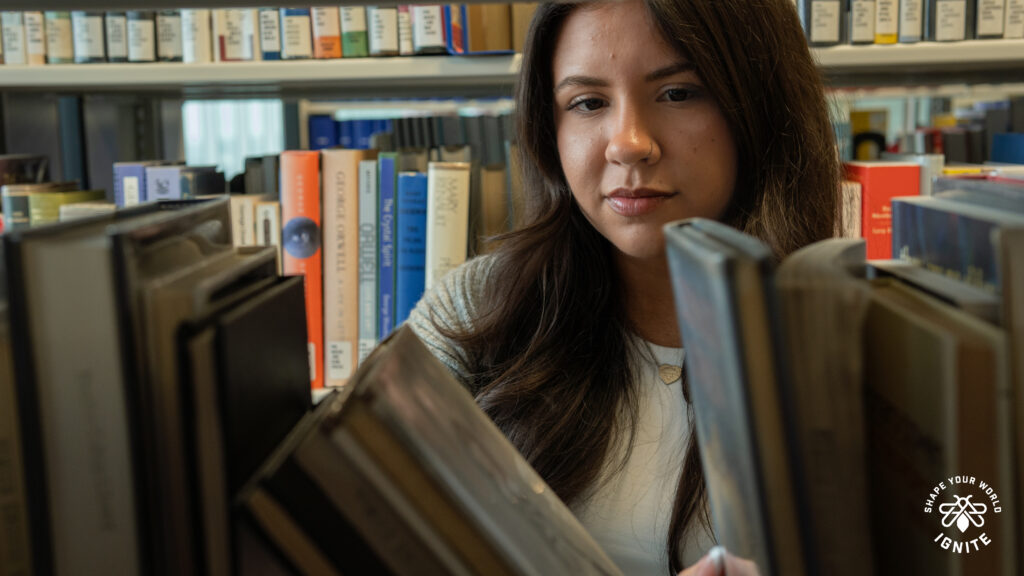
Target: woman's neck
[650,307]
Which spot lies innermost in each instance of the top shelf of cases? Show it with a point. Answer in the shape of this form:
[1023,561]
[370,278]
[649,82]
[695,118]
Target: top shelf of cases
[929,64]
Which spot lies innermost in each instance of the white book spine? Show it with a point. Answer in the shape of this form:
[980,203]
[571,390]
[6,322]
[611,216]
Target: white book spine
[405,44]
[825,21]
[116,25]
[887,18]
[297,36]
[197,41]
[353,19]
[383,30]
[12,27]
[367,257]
[447,218]
[168,36]
[911,20]
[251,33]
[862,25]
[141,38]
[326,22]
[991,18]
[87,35]
[35,38]
[59,45]
[230,42]
[270,31]
[1014,27]
[428,28]
[950,20]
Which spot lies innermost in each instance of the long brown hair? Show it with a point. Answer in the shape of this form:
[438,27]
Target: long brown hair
[553,359]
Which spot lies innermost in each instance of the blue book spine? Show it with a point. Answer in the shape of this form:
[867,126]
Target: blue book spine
[1008,147]
[345,139]
[322,132]
[129,184]
[386,230]
[410,242]
[362,132]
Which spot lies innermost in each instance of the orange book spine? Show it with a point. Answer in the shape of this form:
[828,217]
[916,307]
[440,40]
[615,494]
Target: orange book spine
[300,213]
[341,262]
[326,33]
[880,183]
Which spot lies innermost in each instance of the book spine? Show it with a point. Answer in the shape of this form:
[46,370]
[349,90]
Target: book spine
[141,36]
[233,35]
[887,21]
[386,263]
[954,245]
[129,184]
[87,36]
[1014,26]
[455,29]
[990,18]
[35,38]
[322,132]
[368,218]
[116,28]
[270,33]
[16,210]
[405,44]
[197,41]
[428,29]
[447,218]
[268,227]
[947,20]
[326,33]
[243,220]
[341,262]
[410,242]
[60,47]
[383,30]
[862,22]
[300,237]
[353,32]
[296,34]
[12,29]
[168,36]
[823,22]
[911,24]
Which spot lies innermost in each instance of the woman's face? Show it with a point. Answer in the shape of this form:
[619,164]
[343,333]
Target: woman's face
[641,141]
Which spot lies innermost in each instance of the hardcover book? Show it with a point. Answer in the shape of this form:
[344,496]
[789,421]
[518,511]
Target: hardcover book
[353,32]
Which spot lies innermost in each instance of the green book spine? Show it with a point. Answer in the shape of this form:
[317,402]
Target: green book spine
[354,42]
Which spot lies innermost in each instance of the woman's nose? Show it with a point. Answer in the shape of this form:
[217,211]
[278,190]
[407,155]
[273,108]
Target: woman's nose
[632,141]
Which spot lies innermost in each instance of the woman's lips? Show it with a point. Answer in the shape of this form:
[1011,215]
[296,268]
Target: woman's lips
[636,202]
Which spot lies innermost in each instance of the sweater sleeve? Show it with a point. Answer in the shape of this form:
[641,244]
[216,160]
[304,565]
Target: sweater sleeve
[451,304]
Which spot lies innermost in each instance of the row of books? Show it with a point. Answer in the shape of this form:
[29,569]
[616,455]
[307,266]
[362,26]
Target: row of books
[860,416]
[233,35]
[832,22]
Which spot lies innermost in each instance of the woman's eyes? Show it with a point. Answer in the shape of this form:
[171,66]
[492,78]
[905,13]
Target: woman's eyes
[592,104]
[677,94]
[586,104]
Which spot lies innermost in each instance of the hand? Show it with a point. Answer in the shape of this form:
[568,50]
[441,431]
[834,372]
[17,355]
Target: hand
[718,562]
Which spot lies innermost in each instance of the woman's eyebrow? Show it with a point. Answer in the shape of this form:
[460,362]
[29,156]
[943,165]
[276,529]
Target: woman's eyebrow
[670,70]
[585,81]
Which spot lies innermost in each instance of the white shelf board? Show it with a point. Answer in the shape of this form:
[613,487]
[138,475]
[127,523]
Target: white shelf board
[356,74]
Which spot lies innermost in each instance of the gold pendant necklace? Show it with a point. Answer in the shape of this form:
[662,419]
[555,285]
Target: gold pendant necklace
[669,374]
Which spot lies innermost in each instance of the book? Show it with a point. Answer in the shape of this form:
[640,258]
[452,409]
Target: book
[974,300]
[141,36]
[322,132]
[447,218]
[387,182]
[354,43]
[931,167]
[239,407]
[405,46]
[886,21]
[243,219]
[862,21]
[522,13]
[84,209]
[268,226]
[176,181]
[1014,25]
[369,219]
[12,32]
[45,208]
[880,183]
[296,34]
[382,30]
[197,37]
[270,33]
[823,21]
[60,47]
[116,31]
[990,18]
[399,469]
[410,242]
[301,240]
[16,201]
[35,38]
[341,262]
[87,33]
[326,32]
[735,380]
[23,168]
[169,36]
[946,20]
[1008,147]
[428,29]
[911,26]
[234,35]
[130,182]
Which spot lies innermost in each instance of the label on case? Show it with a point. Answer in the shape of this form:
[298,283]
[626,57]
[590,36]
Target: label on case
[886,18]
[911,20]
[1014,19]
[87,35]
[117,36]
[950,20]
[863,26]
[339,360]
[990,17]
[130,185]
[141,40]
[825,21]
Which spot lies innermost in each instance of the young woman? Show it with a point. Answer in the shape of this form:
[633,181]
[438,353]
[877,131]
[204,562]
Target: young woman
[631,115]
